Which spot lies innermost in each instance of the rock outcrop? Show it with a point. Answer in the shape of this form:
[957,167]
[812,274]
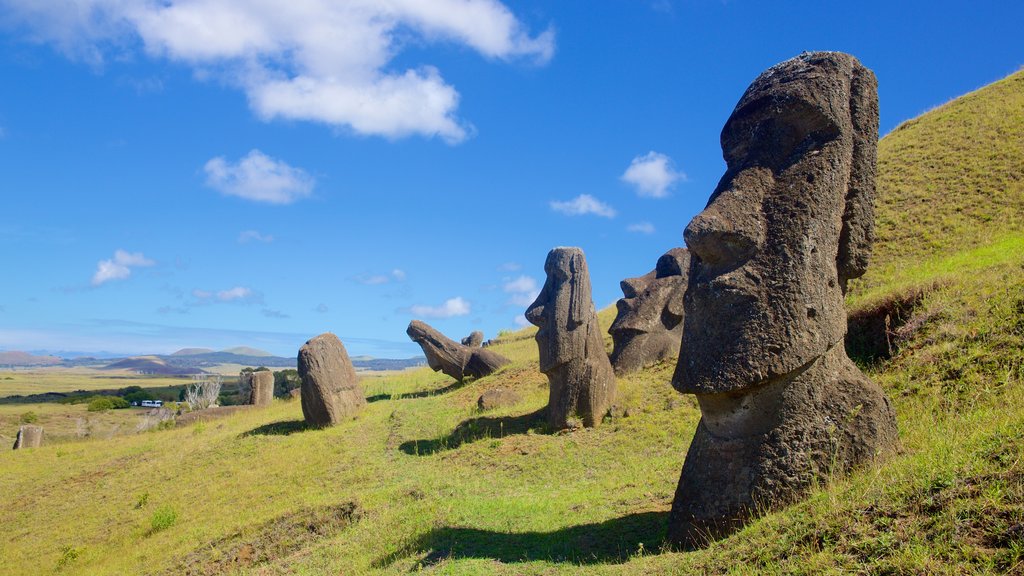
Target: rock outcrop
[448,356]
[649,324]
[788,225]
[330,391]
[572,353]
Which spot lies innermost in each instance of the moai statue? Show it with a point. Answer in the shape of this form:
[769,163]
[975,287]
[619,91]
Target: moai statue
[330,391]
[448,356]
[572,354]
[29,437]
[782,406]
[262,383]
[649,324]
[474,340]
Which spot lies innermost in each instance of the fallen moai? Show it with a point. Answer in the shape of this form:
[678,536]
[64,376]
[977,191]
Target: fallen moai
[330,391]
[649,323]
[448,356]
[572,353]
[789,224]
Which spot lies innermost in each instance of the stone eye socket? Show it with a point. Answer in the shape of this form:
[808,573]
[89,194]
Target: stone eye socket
[779,138]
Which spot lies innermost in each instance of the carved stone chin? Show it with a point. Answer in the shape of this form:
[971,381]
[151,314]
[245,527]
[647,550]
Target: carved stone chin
[789,224]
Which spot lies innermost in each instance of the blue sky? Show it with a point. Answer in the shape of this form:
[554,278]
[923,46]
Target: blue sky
[223,172]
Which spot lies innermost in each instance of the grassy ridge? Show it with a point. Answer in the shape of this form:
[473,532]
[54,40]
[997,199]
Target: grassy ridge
[427,482]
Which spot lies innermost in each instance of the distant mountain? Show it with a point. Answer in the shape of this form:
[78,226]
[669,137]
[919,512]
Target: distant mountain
[371,363]
[151,365]
[246,351]
[191,351]
[17,358]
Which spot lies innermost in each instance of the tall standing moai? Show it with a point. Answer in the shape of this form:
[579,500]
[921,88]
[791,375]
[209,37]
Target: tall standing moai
[649,323]
[572,354]
[29,436]
[790,223]
[330,390]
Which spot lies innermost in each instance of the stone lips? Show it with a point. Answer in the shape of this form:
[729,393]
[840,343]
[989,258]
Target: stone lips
[448,356]
[330,391]
[29,437]
[572,353]
[649,324]
[762,348]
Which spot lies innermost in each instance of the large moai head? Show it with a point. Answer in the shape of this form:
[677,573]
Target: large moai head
[454,359]
[563,309]
[649,323]
[788,225]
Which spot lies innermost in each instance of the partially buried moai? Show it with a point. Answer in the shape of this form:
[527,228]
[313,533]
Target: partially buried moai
[649,323]
[262,383]
[330,391]
[790,223]
[28,437]
[572,354]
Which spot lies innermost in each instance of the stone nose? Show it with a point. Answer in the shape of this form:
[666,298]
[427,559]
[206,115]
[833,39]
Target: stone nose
[730,230]
[535,313]
[630,287]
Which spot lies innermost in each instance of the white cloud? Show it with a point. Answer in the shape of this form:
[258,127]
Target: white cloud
[324,61]
[452,307]
[254,236]
[237,294]
[641,227]
[259,178]
[396,275]
[583,204]
[523,290]
[652,174]
[119,267]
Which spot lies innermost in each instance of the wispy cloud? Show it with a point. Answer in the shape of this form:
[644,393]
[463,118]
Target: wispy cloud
[317,60]
[510,267]
[119,267]
[321,308]
[239,294]
[652,175]
[452,307]
[273,313]
[583,204]
[396,275]
[523,290]
[247,236]
[641,228]
[259,178]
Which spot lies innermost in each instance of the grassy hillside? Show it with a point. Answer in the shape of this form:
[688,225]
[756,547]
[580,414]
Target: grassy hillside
[422,481]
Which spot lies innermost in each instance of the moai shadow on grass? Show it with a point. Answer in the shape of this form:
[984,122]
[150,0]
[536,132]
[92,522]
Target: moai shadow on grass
[790,223]
[454,359]
[649,323]
[572,353]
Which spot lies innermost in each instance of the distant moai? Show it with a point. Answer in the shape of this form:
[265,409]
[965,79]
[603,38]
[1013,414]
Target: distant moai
[454,359]
[572,353]
[474,340]
[649,324]
[789,224]
[330,390]
[29,436]
[262,383]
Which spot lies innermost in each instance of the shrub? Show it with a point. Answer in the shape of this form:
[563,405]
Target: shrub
[29,417]
[162,519]
[137,395]
[101,403]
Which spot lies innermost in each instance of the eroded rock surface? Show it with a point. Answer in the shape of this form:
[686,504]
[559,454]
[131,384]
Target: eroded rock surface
[474,340]
[262,383]
[649,324]
[448,356]
[29,436]
[330,391]
[788,225]
[572,353]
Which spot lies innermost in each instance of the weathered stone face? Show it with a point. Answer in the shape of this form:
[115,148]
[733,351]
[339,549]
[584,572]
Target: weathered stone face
[569,341]
[474,340]
[262,383]
[330,391]
[649,324]
[29,437]
[445,355]
[790,222]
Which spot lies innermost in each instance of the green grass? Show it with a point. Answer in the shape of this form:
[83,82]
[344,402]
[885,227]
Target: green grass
[421,480]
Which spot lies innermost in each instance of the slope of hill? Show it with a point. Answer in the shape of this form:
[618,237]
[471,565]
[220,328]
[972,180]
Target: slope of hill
[16,358]
[150,365]
[246,351]
[191,351]
[421,480]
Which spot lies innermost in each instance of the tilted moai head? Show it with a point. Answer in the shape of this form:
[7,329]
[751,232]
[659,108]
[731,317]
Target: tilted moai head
[649,323]
[762,348]
[454,359]
[569,341]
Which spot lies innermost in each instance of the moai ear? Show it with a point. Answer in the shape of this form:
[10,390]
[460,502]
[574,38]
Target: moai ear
[579,294]
[857,233]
